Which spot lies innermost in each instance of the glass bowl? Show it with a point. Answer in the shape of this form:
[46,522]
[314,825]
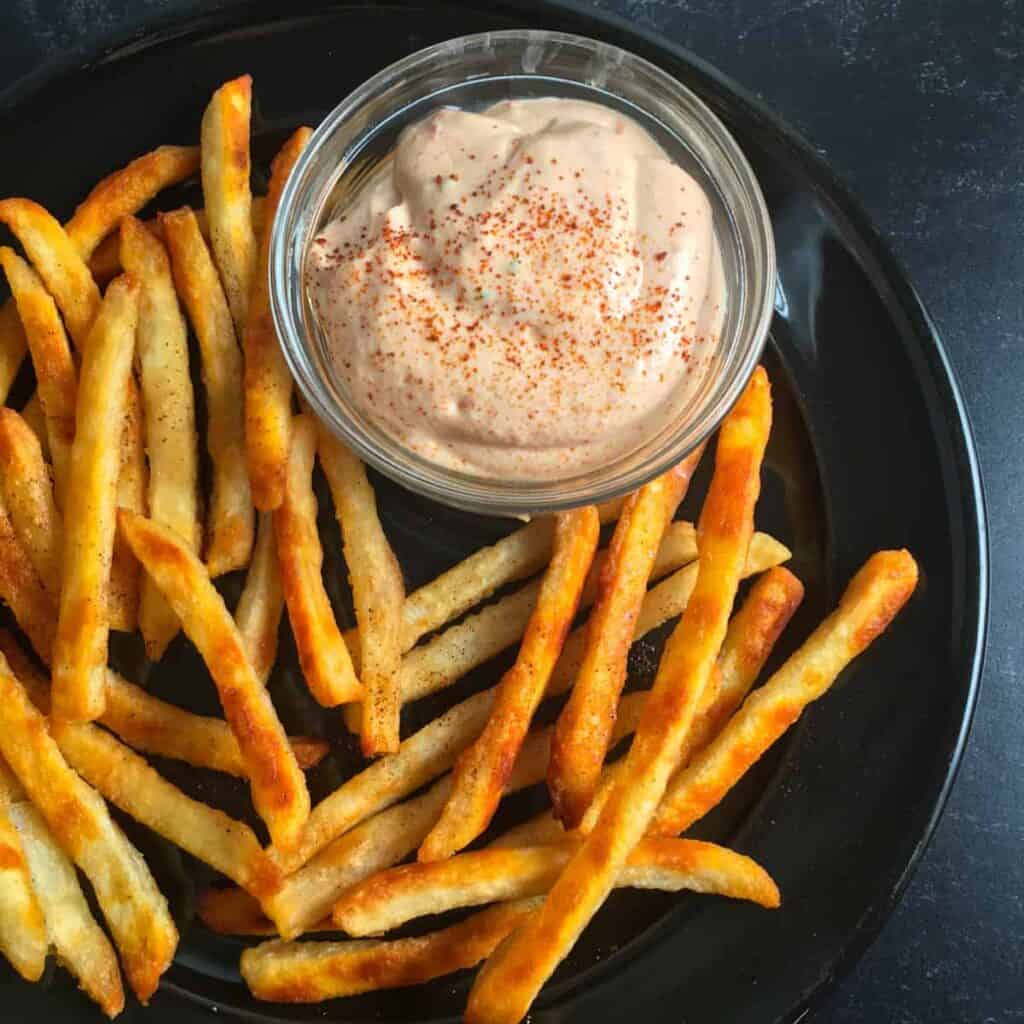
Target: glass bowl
[473,72]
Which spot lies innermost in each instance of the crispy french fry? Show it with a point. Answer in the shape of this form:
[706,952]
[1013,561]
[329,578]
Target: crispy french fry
[309,972]
[32,414]
[225,169]
[460,648]
[482,770]
[13,344]
[258,615]
[131,902]
[393,897]
[540,830]
[22,926]
[22,591]
[512,978]
[126,191]
[278,788]
[306,896]
[432,750]
[585,723]
[323,656]
[57,261]
[378,592]
[80,650]
[170,419]
[232,911]
[80,943]
[128,782]
[51,358]
[28,495]
[230,525]
[268,384]
[871,601]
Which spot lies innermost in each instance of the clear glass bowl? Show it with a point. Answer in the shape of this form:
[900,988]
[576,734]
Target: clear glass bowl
[473,72]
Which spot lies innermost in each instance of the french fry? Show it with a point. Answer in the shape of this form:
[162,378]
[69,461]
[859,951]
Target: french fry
[22,591]
[132,904]
[232,911]
[433,750]
[51,358]
[585,723]
[268,384]
[230,524]
[57,261]
[118,195]
[309,972]
[28,495]
[22,926]
[278,788]
[871,601]
[306,896]
[460,648]
[378,593]
[128,782]
[323,656]
[481,771]
[393,897]
[540,830]
[170,419]
[258,615]
[80,943]
[151,725]
[225,169]
[32,414]
[80,649]
[511,979]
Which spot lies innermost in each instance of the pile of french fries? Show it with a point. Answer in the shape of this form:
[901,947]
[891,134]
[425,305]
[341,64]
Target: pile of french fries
[103,527]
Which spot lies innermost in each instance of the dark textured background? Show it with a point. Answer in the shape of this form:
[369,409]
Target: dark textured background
[919,105]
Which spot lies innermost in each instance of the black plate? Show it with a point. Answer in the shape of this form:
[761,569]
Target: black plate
[871,449]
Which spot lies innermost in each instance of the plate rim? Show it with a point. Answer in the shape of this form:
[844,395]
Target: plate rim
[163,28]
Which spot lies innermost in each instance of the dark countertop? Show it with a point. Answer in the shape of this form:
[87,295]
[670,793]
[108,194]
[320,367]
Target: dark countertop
[919,106]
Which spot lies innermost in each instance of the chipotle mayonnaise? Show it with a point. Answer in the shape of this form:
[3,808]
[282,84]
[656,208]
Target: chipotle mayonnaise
[525,293]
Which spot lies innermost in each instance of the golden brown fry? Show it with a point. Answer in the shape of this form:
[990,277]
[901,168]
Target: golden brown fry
[128,782]
[232,911]
[126,191]
[225,168]
[460,648]
[309,972]
[170,419]
[32,414]
[51,359]
[378,592]
[80,649]
[871,601]
[57,261]
[306,897]
[323,656]
[278,787]
[391,898]
[131,902]
[22,591]
[268,384]
[230,520]
[585,723]
[80,943]
[22,926]
[13,344]
[512,978]
[482,770]
[540,830]
[258,615]
[28,495]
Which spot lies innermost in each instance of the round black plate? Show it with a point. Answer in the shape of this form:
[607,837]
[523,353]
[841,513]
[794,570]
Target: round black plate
[870,449]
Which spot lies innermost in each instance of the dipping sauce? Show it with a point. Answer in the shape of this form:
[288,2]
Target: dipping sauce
[525,293]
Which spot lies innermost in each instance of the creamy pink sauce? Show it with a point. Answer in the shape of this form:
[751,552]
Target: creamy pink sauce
[526,293]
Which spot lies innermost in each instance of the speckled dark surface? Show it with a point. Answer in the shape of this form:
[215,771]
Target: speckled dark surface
[919,105]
